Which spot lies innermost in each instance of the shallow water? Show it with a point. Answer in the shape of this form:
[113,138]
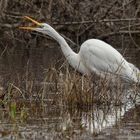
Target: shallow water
[50,121]
[35,119]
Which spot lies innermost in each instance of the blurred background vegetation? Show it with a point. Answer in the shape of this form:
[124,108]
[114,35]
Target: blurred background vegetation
[116,22]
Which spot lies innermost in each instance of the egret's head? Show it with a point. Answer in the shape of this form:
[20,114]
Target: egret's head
[40,27]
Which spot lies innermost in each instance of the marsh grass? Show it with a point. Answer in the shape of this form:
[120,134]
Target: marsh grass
[75,90]
[69,88]
[29,100]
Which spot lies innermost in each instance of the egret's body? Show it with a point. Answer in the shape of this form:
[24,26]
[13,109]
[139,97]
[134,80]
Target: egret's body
[95,56]
[104,60]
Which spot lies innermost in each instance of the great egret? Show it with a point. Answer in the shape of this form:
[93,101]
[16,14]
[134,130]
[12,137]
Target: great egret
[95,56]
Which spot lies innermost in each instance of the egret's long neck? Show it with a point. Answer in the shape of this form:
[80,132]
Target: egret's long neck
[70,55]
[67,51]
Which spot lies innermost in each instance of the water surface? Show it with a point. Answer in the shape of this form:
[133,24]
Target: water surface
[27,116]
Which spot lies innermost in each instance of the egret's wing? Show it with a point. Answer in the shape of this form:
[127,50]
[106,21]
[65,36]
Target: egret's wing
[101,58]
[136,71]
[134,68]
[107,62]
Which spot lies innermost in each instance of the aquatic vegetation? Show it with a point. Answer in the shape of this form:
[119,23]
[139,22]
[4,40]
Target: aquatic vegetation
[68,88]
[64,105]
[71,89]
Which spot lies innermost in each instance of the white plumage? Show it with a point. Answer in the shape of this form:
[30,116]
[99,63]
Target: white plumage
[95,56]
[103,59]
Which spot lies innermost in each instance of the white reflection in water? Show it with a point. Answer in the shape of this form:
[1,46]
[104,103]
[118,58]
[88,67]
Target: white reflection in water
[98,118]
[102,118]
[53,121]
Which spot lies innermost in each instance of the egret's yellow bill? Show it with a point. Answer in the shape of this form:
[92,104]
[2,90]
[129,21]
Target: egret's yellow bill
[29,27]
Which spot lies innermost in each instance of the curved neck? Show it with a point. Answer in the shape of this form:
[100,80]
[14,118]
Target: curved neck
[70,55]
[67,51]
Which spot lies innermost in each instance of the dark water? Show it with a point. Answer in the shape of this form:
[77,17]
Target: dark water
[36,119]
[45,121]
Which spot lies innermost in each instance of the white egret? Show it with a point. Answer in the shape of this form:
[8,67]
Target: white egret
[95,56]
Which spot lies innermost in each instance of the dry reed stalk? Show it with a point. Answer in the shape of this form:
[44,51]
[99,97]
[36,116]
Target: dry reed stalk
[68,88]
[77,90]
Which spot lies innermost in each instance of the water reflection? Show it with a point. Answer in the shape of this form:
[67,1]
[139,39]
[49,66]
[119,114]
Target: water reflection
[46,121]
[49,120]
